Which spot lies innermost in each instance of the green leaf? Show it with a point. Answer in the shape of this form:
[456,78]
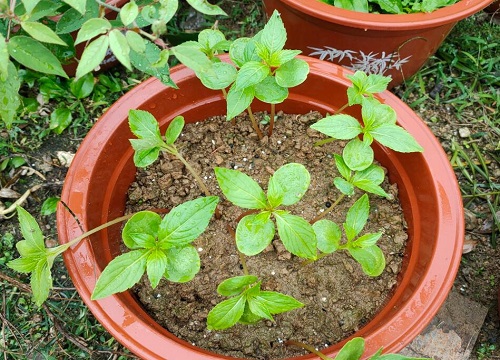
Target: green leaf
[121,273]
[352,350]
[41,32]
[146,62]
[91,28]
[235,285]
[270,92]
[367,240]
[277,303]
[296,234]
[186,221]
[9,95]
[342,167]
[23,264]
[328,235]
[273,36]
[254,233]
[357,154]
[92,56]
[237,50]
[78,5]
[4,59]
[345,187]
[248,317]
[41,282]
[226,313]
[251,73]
[258,308]
[144,125]
[209,38]
[369,180]
[135,41]
[289,184]
[375,114]
[119,46]
[72,20]
[292,73]
[183,264]
[191,57]
[356,218]
[281,57]
[146,151]
[30,230]
[238,101]
[129,12]
[60,119]
[156,265]
[392,6]
[44,8]
[49,206]
[370,258]
[219,76]
[174,129]
[395,357]
[142,223]
[206,8]
[82,87]
[342,126]
[396,138]
[34,55]
[365,85]
[240,189]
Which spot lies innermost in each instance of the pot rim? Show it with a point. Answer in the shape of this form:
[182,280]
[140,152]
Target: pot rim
[390,22]
[123,317]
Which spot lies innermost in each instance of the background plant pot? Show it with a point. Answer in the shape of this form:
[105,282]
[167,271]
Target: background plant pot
[396,45]
[102,170]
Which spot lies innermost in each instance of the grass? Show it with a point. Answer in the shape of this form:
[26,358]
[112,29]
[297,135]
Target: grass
[463,76]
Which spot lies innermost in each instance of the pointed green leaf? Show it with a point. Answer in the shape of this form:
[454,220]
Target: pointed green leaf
[129,12]
[342,167]
[254,233]
[186,221]
[60,119]
[296,234]
[135,41]
[41,282]
[144,125]
[206,8]
[292,73]
[174,129]
[367,240]
[92,56]
[83,87]
[183,263]
[328,235]
[352,350]
[238,101]
[146,60]
[235,285]
[121,274]
[395,357]
[220,76]
[345,187]
[270,92]
[357,154]
[393,6]
[365,85]
[226,313]
[251,73]
[396,138]
[30,230]
[9,95]
[91,28]
[281,57]
[155,266]
[24,264]
[78,5]
[369,180]
[370,258]
[342,126]
[49,206]
[142,223]
[248,317]
[34,55]
[292,181]
[209,38]
[240,189]
[258,308]
[72,20]
[41,32]
[119,46]
[146,151]
[191,57]
[375,114]
[277,303]
[356,218]
[4,59]
[237,50]
[273,35]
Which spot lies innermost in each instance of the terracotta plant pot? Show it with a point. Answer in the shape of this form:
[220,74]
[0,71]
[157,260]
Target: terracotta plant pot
[102,170]
[395,45]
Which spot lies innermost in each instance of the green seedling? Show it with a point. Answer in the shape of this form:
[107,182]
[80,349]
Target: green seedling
[160,247]
[150,142]
[391,6]
[247,304]
[353,350]
[256,231]
[362,248]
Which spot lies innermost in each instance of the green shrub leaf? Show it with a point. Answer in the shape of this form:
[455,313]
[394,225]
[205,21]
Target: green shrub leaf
[254,233]
[297,234]
[342,126]
[226,313]
[273,36]
[144,125]
[9,95]
[146,61]
[121,273]
[60,119]
[31,231]
[135,41]
[369,180]
[41,281]
[146,151]
[237,50]
[82,87]
[92,28]
[41,32]
[396,138]
[328,235]
[365,85]
[235,285]
[186,222]
[206,8]
[49,206]
[78,5]
[142,223]
[192,57]
[119,46]
[92,56]
[240,189]
[129,12]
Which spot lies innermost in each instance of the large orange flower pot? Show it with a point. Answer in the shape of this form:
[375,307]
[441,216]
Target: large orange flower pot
[395,45]
[102,170]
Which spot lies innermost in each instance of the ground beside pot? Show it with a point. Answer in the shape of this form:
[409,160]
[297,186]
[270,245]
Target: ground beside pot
[102,171]
[395,45]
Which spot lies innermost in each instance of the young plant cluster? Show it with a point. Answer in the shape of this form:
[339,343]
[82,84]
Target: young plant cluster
[391,6]
[162,248]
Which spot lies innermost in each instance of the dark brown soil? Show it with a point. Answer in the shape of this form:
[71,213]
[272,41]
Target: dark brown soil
[339,298]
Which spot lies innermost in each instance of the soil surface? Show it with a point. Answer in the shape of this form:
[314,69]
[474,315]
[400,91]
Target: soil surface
[339,298]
